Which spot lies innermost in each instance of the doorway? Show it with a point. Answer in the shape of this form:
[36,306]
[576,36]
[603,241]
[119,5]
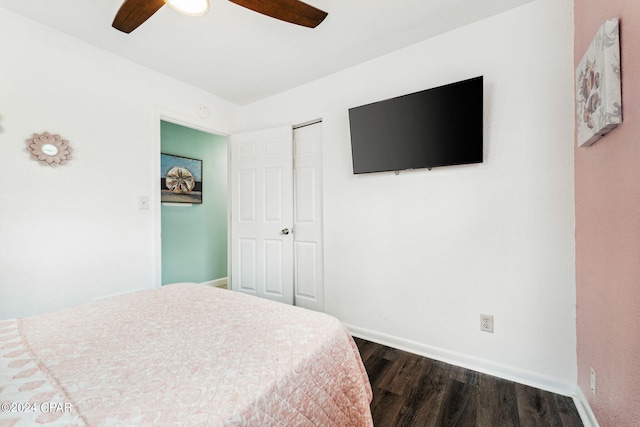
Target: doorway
[194,235]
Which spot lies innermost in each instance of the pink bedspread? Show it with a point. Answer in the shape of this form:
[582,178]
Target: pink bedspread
[183,354]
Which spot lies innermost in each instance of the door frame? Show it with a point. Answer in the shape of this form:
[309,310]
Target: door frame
[159,115]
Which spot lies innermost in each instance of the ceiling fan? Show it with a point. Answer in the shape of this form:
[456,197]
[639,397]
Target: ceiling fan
[134,13]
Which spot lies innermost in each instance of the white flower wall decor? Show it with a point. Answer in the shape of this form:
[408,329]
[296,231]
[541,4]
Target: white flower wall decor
[598,93]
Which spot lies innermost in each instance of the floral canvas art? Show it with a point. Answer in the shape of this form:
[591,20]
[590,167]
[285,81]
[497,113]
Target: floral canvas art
[598,94]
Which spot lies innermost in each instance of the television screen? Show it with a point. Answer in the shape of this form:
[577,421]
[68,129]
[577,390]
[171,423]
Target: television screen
[435,127]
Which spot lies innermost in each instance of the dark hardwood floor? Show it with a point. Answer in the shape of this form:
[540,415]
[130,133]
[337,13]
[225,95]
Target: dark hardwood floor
[414,391]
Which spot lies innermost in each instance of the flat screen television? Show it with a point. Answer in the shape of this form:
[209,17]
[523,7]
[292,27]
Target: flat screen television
[441,126]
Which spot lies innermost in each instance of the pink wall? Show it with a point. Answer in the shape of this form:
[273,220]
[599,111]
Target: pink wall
[607,184]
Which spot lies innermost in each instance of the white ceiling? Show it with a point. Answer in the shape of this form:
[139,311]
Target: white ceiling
[242,56]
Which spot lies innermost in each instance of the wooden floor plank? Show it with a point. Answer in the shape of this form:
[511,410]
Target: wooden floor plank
[536,407]
[422,403]
[402,375]
[414,391]
[497,405]
[377,369]
[459,406]
[385,407]
[388,353]
[567,410]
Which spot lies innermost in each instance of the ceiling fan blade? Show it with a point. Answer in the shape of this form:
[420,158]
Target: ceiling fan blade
[133,13]
[293,11]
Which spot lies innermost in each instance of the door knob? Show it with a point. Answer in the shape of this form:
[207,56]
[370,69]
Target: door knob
[284,231]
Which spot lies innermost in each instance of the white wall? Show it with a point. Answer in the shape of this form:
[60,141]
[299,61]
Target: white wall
[410,259]
[73,233]
[414,259]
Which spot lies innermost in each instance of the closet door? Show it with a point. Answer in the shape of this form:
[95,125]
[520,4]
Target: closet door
[262,213]
[307,245]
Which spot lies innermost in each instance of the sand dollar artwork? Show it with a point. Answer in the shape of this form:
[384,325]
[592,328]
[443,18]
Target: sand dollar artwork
[49,149]
[180,180]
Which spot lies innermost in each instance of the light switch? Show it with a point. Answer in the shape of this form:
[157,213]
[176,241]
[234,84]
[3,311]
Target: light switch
[143,203]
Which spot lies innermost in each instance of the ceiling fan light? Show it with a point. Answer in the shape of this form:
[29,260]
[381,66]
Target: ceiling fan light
[189,7]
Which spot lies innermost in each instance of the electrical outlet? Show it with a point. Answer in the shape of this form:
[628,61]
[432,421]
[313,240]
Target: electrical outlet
[486,323]
[593,381]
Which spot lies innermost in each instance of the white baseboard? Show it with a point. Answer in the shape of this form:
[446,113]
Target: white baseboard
[218,283]
[522,376]
[584,409]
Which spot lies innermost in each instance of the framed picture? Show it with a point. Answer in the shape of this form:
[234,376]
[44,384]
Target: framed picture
[598,94]
[181,179]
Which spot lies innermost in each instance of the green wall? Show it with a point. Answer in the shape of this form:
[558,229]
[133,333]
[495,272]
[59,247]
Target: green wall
[194,238]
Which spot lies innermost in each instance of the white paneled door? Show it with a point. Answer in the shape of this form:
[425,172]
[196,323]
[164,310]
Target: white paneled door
[262,213]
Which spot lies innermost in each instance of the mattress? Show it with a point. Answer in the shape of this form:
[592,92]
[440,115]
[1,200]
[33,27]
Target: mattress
[181,355]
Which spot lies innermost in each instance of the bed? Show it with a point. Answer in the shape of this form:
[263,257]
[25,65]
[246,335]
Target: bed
[181,355]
